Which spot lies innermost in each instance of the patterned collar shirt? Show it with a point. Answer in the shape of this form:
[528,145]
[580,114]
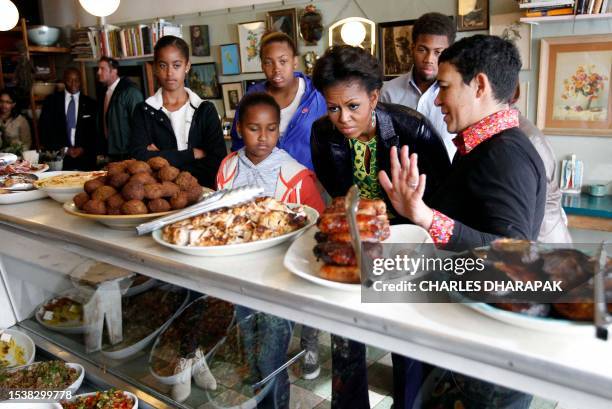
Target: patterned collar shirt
[441,229]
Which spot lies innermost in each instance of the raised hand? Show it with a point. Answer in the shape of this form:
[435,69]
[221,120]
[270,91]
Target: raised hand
[406,187]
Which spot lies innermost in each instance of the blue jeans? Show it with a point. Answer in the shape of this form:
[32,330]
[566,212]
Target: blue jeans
[269,336]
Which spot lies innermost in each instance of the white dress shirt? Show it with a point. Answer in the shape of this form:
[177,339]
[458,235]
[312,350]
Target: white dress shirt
[67,96]
[180,119]
[111,89]
[404,91]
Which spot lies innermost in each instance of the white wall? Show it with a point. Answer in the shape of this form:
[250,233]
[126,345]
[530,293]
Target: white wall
[595,151]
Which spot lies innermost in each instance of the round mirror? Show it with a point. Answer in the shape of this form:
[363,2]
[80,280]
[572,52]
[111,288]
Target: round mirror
[311,25]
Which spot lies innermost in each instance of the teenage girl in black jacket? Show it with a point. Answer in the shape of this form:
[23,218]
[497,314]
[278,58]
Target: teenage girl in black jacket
[175,123]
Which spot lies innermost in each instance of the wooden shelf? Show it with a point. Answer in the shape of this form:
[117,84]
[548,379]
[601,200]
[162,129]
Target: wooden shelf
[135,57]
[569,17]
[49,50]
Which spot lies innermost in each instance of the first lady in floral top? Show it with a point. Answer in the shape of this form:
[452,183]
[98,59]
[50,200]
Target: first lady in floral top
[350,145]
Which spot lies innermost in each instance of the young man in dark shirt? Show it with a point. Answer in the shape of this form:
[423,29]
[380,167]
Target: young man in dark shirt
[496,186]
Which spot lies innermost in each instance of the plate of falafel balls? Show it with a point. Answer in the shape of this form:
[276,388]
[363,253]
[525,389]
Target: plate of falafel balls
[133,192]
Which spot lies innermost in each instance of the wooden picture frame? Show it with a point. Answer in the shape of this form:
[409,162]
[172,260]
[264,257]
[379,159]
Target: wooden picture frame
[394,41]
[249,38]
[230,59]
[284,21]
[202,79]
[200,40]
[232,94]
[574,92]
[472,15]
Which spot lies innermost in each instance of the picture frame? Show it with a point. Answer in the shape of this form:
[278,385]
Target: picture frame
[202,79]
[472,15]
[230,59]
[509,27]
[284,21]
[394,41]
[200,41]
[247,84]
[249,38]
[574,90]
[232,94]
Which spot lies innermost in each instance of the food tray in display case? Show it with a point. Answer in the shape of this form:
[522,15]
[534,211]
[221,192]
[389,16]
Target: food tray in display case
[111,398]
[63,313]
[118,222]
[301,261]
[203,323]
[16,349]
[144,316]
[46,375]
[240,248]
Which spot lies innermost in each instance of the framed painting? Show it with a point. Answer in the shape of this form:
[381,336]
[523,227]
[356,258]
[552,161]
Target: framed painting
[472,15]
[249,83]
[249,38]
[509,27]
[284,21]
[232,94]
[200,42]
[574,95]
[202,79]
[230,59]
[395,39]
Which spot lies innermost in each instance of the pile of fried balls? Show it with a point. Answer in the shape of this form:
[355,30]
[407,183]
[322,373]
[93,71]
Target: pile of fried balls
[135,187]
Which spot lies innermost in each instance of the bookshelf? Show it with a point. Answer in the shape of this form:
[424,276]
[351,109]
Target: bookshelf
[569,17]
[20,33]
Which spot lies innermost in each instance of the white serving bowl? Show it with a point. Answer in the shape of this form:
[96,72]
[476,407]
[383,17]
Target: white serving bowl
[62,194]
[43,89]
[23,341]
[44,35]
[131,395]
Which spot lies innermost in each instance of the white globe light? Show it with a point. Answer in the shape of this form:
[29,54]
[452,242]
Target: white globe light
[9,15]
[100,8]
[353,33]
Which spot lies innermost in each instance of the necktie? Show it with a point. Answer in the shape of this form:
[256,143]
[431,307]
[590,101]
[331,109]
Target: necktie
[107,98]
[70,119]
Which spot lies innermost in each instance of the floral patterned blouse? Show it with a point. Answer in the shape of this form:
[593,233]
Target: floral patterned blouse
[365,178]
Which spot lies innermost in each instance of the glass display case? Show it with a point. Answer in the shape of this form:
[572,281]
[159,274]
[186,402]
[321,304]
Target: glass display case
[130,312]
[164,343]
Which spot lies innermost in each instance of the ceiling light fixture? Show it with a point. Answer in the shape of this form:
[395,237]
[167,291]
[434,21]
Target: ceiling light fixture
[100,8]
[9,15]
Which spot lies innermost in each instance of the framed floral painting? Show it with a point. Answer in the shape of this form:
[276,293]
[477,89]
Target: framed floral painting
[249,37]
[574,94]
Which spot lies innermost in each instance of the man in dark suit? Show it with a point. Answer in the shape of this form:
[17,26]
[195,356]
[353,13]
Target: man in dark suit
[68,119]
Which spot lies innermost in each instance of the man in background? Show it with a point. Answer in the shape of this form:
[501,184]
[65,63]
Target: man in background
[68,119]
[554,225]
[432,33]
[115,109]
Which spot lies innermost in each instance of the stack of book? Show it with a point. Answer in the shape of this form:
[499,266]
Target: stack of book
[121,42]
[81,44]
[541,8]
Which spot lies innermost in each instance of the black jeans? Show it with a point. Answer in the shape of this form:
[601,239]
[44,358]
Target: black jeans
[349,374]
